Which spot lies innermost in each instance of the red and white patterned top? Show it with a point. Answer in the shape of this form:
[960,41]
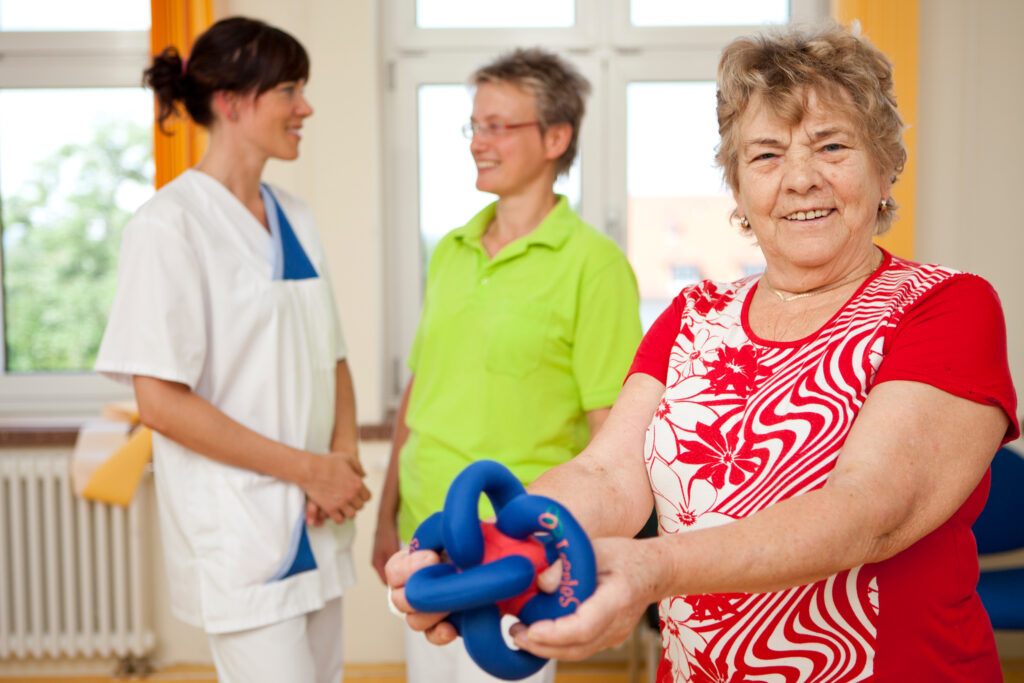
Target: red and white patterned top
[745,423]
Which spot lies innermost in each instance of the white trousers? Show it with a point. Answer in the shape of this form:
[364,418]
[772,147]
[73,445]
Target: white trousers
[303,649]
[429,663]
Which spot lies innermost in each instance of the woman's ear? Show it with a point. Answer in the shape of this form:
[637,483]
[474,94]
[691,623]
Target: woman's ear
[226,104]
[556,140]
[739,212]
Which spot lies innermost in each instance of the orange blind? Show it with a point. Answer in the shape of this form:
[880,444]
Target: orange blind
[177,22]
[892,26]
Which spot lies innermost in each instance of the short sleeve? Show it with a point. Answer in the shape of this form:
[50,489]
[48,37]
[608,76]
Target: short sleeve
[652,358]
[157,324]
[607,332]
[954,339]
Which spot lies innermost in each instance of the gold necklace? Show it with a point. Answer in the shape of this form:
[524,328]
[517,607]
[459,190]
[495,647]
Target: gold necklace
[812,292]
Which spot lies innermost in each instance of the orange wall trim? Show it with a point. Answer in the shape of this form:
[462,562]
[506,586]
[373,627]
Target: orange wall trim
[177,22]
[893,26]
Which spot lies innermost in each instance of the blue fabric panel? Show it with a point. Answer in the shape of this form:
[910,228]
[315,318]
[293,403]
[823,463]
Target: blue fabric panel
[299,556]
[998,527]
[290,261]
[304,560]
[1002,593]
[297,265]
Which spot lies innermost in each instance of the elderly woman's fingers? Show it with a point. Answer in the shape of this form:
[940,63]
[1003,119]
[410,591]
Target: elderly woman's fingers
[549,579]
[405,563]
[604,619]
[441,633]
[398,569]
[600,622]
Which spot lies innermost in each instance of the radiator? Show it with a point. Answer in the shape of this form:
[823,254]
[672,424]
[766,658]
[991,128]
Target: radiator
[71,571]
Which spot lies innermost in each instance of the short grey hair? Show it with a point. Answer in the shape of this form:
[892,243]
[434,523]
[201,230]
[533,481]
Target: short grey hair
[557,85]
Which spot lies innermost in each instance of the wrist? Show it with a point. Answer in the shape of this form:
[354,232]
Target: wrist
[662,560]
[305,469]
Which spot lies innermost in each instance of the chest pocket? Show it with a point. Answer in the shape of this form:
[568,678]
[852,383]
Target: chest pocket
[517,338]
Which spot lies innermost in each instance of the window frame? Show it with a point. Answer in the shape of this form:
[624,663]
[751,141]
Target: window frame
[609,51]
[64,60]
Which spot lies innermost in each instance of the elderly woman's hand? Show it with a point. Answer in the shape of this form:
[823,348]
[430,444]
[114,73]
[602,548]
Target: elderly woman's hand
[398,569]
[628,576]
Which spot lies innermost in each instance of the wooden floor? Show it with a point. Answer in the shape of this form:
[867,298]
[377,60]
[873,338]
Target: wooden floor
[395,673]
[384,673]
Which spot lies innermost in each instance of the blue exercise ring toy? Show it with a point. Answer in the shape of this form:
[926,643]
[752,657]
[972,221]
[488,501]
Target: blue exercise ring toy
[469,590]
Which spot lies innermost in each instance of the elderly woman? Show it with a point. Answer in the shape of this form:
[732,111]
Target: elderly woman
[530,319]
[816,440]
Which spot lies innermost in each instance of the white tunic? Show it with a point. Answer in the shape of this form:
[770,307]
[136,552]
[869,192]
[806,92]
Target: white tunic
[197,303]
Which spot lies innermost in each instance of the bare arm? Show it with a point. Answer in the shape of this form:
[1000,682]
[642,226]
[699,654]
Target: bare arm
[386,542]
[344,436]
[596,419]
[912,457]
[606,486]
[173,410]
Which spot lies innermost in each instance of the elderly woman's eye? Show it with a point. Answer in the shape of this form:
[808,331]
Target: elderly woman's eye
[764,156]
[833,147]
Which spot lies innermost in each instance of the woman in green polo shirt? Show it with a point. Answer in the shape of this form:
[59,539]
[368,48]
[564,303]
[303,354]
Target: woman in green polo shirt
[530,321]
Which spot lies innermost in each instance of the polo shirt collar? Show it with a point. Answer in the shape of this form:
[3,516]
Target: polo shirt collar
[552,232]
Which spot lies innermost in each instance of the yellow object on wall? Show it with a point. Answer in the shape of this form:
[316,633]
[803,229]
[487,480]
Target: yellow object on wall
[177,23]
[892,26]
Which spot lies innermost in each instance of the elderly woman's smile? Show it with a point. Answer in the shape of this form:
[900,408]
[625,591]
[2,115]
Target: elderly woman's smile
[810,192]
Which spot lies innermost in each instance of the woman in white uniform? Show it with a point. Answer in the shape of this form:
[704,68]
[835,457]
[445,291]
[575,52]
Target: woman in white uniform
[225,323]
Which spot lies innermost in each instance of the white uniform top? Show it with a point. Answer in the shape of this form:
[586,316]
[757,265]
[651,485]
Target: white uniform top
[198,303]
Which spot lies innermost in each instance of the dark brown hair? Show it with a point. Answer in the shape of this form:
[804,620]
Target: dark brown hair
[235,55]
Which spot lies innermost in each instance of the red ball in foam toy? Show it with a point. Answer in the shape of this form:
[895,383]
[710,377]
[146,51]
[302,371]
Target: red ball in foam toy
[497,545]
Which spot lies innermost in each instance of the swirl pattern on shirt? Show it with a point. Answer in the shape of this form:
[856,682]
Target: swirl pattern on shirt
[744,424]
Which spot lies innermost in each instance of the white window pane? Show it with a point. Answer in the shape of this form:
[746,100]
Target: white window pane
[74,15]
[74,166]
[448,194]
[678,228]
[717,13]
[495,13]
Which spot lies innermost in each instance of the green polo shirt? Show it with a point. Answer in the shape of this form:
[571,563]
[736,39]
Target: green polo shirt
[512,352]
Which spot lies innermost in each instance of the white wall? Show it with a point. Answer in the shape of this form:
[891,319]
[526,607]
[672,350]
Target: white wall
[971,162]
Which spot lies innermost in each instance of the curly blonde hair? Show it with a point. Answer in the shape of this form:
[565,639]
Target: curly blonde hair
[781,68]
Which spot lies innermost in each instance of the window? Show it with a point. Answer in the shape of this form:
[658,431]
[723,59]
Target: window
[75,163]
[645,175]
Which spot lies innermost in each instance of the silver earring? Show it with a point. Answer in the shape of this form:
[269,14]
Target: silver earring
[234,116]
[883,206]
[744,223]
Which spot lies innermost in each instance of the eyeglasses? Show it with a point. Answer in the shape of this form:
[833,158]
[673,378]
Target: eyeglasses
[493,130]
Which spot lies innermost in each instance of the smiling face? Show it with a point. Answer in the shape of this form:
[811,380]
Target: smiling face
[272,120]
[810,191]
[523,158]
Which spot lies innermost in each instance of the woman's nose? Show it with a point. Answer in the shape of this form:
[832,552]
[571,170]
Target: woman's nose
[478,142]
[802,174]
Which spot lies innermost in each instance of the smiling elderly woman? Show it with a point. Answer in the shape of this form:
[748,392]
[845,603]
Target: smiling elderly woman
[817,463]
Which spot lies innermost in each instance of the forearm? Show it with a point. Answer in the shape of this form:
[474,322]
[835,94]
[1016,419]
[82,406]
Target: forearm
[177,413]
[911,459]
[606,486]
[345,437]
[390,494]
